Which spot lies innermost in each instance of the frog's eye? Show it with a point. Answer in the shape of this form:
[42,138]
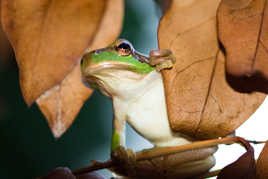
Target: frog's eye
[124,46]
[124,49]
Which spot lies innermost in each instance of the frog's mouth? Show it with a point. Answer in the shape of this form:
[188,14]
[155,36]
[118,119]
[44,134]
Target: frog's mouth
[94,74]
[96,68]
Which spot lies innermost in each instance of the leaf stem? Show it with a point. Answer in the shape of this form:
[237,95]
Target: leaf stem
[256,142]
[157,152]
[148,154]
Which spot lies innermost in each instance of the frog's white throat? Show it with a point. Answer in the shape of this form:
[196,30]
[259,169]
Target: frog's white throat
[124,84]
[139,99]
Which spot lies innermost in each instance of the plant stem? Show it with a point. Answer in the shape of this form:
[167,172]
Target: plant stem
[148,154]
[157,152]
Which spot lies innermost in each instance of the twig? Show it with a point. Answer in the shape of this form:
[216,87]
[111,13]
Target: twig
[256,142]
[148,154]
[157,152]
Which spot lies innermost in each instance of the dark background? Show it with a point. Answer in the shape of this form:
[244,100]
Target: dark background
[27,147]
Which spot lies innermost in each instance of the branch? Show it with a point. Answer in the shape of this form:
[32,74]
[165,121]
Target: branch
[157,152]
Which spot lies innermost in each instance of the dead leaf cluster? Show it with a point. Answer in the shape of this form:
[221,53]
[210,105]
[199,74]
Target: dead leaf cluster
[243,32]
[49,38]
[48,43]
[244,167]
[220,47]
[200,101]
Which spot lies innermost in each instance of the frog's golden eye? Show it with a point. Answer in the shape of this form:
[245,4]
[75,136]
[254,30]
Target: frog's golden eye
[124,49]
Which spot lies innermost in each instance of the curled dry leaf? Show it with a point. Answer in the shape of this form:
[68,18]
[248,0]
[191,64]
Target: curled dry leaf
[181,165]
[49,38]
[71,93]
[200,103]
[61,104]
[262,163]
[243,31]
[243,168]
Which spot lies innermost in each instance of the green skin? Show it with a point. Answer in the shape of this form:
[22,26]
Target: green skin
[111,55]
[134,64]
[137,91]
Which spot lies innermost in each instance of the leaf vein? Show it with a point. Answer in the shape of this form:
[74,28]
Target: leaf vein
[259,37]
[207,94]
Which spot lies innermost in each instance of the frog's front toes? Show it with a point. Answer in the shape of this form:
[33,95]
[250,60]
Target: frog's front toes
[124,160]
[162,59]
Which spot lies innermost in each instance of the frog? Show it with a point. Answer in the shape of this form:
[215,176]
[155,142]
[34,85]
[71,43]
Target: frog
[135,84]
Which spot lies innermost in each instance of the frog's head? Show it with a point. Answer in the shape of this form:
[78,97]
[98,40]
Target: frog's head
[114,68]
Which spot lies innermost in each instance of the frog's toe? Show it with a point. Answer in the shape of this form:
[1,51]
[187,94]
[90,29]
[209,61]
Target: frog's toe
[160,53]
[125,161]
[164,65]
[162,59]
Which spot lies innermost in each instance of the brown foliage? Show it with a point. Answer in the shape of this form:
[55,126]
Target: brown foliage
[61,104]
[49,38]
[262,163]
[199,100]
[243,31]
[243,168]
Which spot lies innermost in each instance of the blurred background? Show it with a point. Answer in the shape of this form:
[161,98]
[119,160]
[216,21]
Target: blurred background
[27,147]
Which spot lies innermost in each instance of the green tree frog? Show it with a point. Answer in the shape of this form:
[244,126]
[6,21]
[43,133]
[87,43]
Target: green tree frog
[135,85]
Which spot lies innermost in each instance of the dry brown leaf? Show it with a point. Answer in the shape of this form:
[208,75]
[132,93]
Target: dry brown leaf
[243,168]
[48,38]
[87,24]
[200,102]
[243,31]
[61,104]
[262,163]
[110,26]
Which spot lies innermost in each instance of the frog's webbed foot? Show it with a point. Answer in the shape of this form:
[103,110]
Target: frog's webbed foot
[124,160]
[187,164]
[162,59]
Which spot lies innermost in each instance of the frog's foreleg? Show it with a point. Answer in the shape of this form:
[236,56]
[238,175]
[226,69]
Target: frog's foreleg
[124,159]
[118,136]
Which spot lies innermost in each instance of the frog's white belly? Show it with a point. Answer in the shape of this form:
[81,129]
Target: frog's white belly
[147,113]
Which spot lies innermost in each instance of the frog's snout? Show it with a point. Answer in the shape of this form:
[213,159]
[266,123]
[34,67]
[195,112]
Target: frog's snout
[83,64]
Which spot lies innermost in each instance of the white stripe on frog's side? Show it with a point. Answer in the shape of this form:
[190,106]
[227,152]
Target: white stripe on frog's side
[143,106]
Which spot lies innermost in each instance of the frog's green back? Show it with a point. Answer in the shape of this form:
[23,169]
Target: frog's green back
[135,65]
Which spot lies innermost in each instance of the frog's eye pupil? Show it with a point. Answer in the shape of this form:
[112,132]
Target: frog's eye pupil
[124,46]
